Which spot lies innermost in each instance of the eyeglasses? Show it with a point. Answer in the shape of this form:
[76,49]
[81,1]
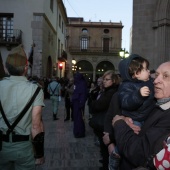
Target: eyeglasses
[106,79]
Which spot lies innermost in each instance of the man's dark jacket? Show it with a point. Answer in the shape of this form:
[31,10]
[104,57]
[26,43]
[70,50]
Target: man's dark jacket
[136,150]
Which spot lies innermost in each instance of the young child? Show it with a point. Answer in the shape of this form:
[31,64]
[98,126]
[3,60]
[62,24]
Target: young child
[136,94]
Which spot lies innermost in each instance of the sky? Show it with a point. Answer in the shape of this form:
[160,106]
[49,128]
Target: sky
[104,10]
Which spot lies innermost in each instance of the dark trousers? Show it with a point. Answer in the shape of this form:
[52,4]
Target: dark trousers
[69,108]
[79,125]
[103,149]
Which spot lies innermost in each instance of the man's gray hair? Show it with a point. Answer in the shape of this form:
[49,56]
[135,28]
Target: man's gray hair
[15,71]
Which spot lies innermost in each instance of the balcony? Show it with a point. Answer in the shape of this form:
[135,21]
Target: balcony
[10,39]
[94,51]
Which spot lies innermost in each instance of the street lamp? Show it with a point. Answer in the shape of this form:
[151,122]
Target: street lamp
[74,63]
[60,68]
[123,53]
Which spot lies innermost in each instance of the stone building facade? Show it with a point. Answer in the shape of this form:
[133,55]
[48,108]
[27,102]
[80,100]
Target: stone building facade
[40,26]
[94,46]
[151,30]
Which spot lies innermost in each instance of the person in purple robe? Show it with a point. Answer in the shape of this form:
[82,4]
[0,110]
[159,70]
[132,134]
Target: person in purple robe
[79,98]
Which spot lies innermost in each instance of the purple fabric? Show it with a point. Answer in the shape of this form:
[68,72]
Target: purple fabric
[79,126]
[79,98]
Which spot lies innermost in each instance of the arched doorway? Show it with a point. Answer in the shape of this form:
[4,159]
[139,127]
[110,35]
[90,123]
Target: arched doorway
[86,68]
[103,67]
[49,67]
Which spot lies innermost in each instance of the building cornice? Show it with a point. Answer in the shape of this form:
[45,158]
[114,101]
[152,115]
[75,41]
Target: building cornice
[63,10]
[48,21]
[95,26]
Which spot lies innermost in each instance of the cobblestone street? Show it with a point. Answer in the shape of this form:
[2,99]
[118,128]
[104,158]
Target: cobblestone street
[62,150]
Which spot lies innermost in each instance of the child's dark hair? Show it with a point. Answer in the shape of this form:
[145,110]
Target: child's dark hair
[136,65]
[152,71]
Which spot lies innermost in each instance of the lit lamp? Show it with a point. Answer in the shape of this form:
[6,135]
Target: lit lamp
[123,53]
[60,68]
[74,63]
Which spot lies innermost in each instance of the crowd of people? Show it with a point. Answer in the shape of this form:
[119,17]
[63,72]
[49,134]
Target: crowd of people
[129,113]
[136,121]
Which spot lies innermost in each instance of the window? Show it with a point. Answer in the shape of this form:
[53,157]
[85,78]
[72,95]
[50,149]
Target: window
[59,48]
[84,39]
[106,31]
[51,5]
[6,27]
[105,44]
[62,27]
[84,30]
[84,43]
[59,20]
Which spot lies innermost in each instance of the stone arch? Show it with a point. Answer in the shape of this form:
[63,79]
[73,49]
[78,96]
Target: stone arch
[86,68]
[102,67]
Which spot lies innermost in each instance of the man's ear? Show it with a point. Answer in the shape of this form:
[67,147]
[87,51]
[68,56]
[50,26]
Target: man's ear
[26,69]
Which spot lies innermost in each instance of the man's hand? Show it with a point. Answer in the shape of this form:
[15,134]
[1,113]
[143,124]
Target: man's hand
[128,121]
[40,161]
[106,138]
[144,91]
[135,128]
[116,118]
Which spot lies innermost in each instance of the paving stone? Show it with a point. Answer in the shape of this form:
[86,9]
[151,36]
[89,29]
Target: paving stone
[62,150]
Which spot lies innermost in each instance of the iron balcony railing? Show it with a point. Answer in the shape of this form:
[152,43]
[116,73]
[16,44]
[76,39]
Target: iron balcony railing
[10,36]
[94,50]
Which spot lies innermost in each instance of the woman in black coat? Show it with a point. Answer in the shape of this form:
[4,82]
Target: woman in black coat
[100,107]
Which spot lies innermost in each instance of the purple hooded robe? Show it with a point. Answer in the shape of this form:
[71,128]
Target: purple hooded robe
[79,98]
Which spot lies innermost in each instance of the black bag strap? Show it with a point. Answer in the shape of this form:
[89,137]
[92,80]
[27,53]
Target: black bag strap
[3,115]
[53,91]
[11,127]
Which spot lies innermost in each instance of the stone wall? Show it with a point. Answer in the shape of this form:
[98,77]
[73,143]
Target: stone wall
[151,30]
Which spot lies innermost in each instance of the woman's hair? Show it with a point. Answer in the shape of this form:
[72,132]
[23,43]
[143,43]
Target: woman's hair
[15,71]
[136,65]
[115,78]
[93,82]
